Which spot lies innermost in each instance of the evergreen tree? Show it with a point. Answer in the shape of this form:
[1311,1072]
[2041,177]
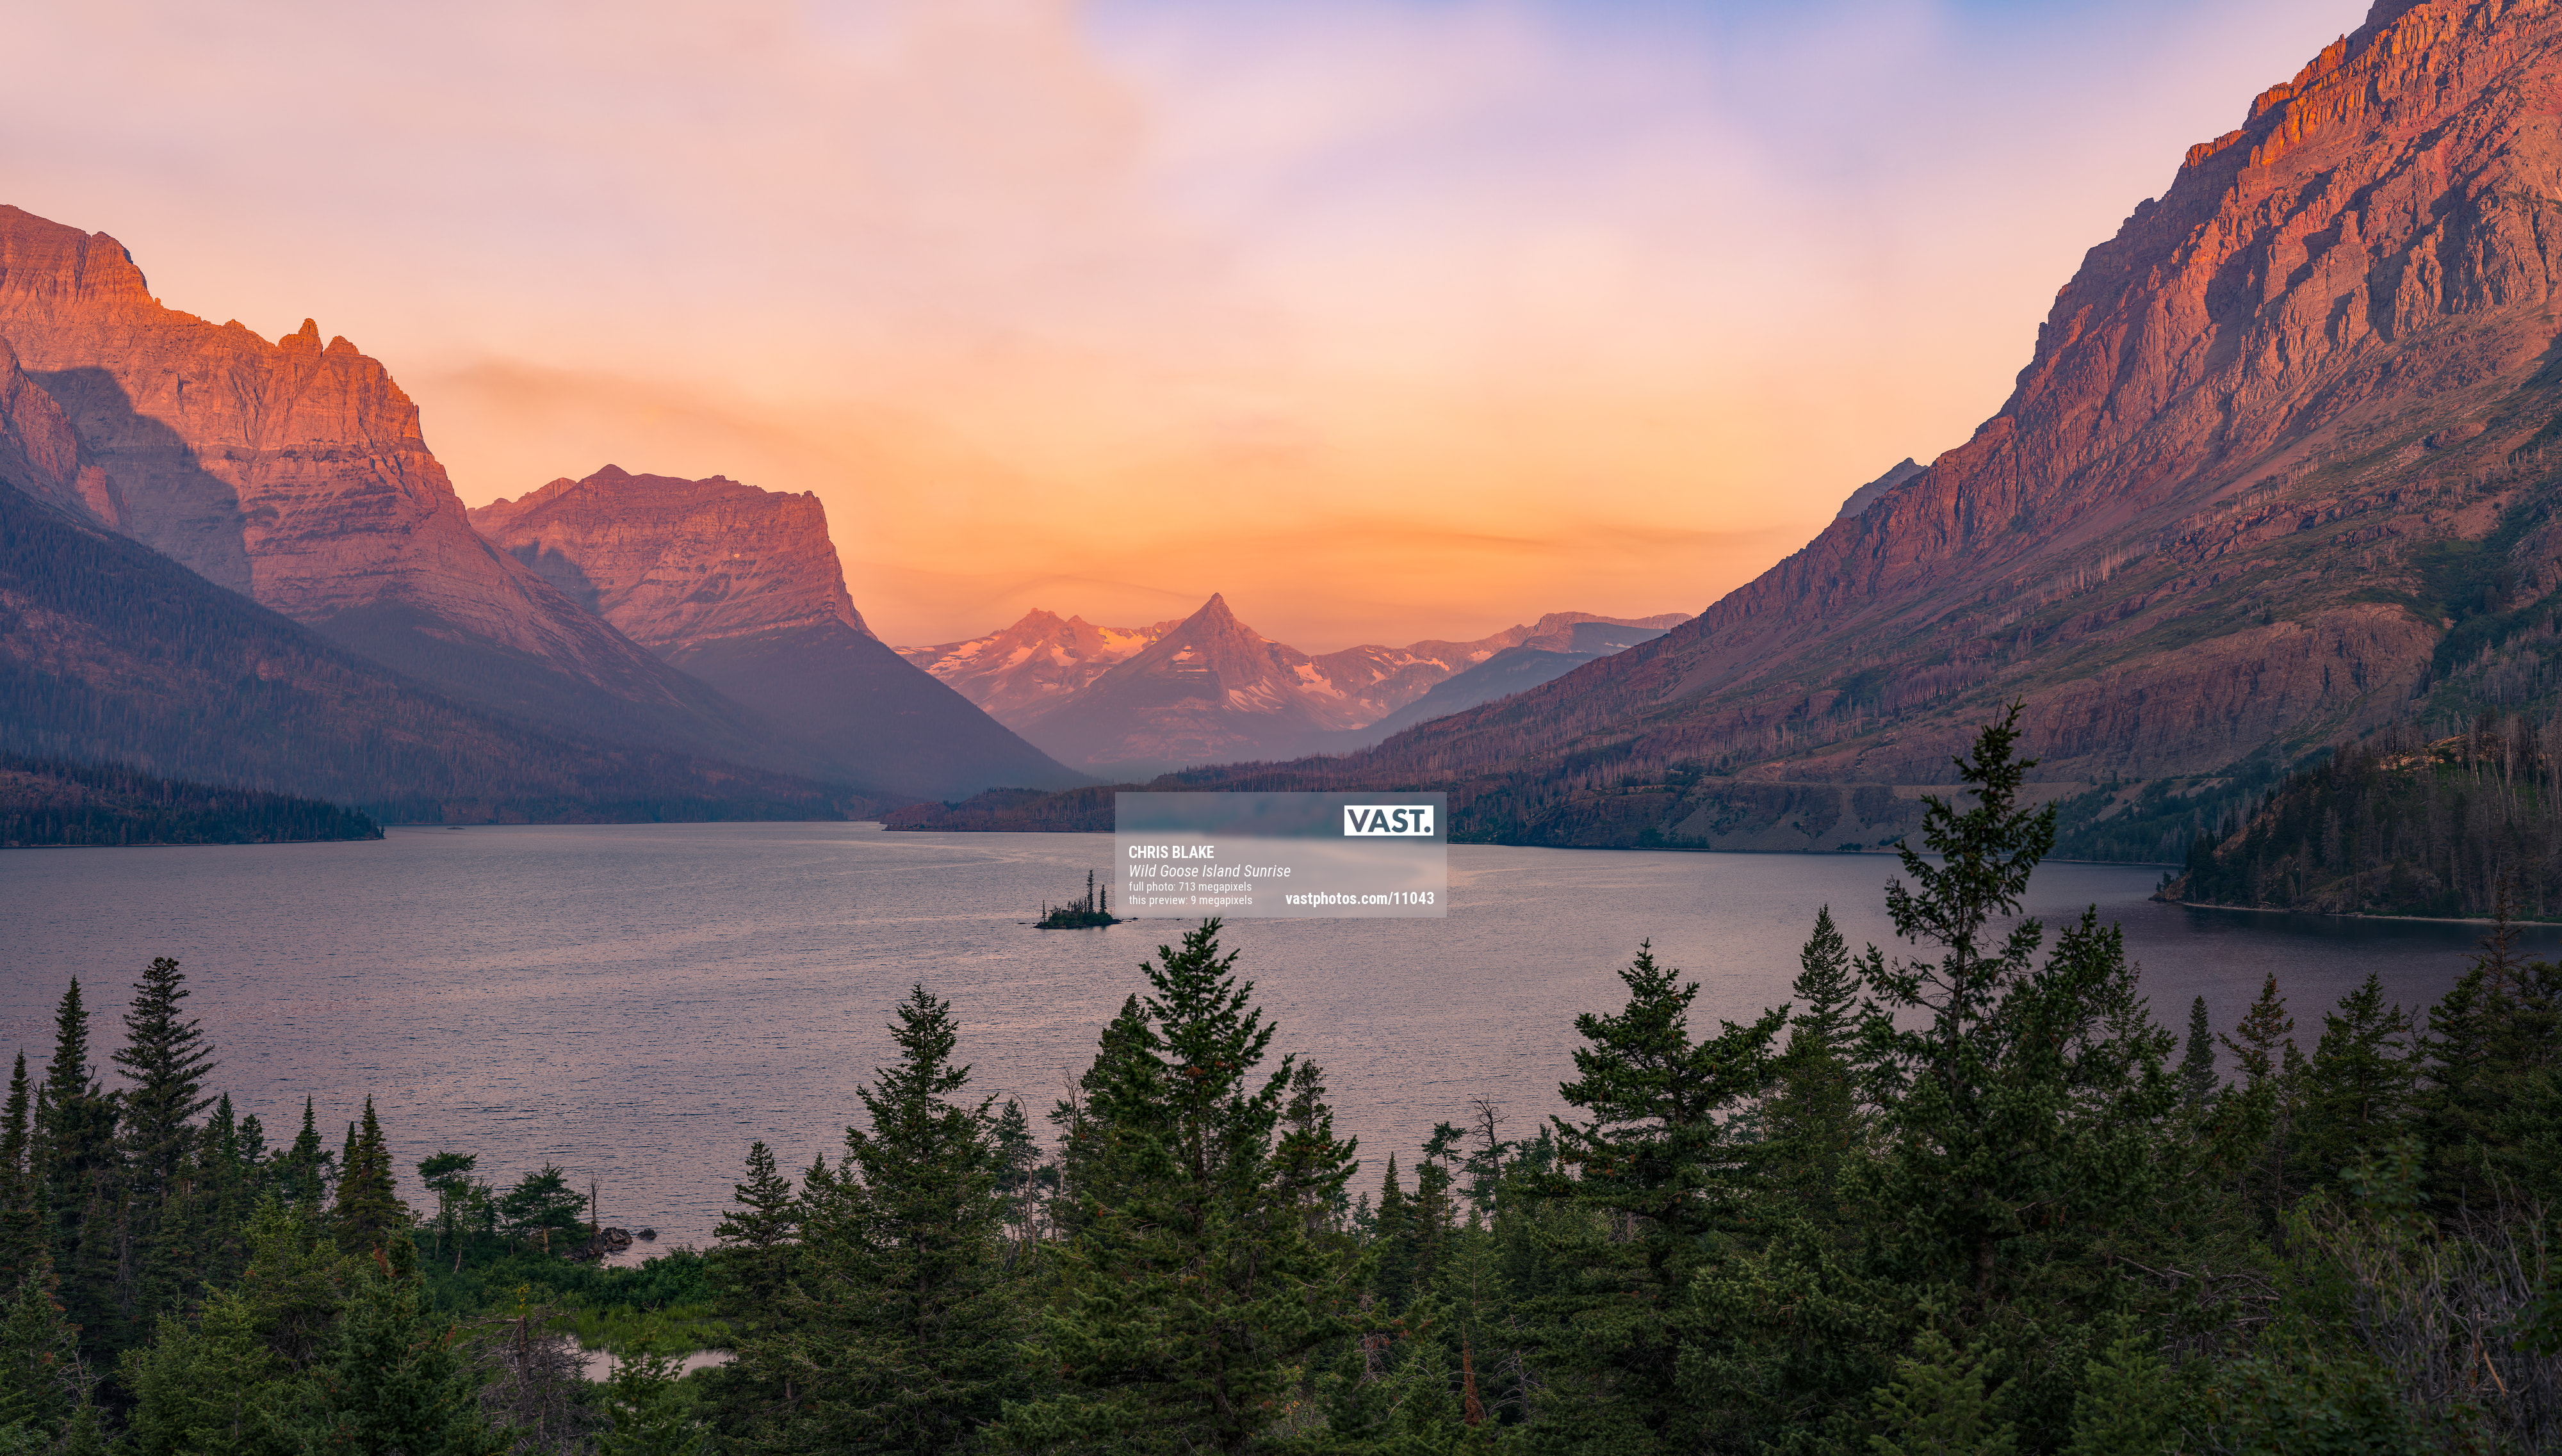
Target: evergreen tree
[1127,1055]
[2485,1039]
[396,1382]
[75,1173]
[1392,1233]
[904,1322]
[1020,1175]
[164,1059]
[224,1178]
[2264,1048]
[1938,1404]
[1813,1119]
[751,1272]
[458,1197]
[45,1385]
[2357,1089]
[369,1211]
[1661,1175]
[303,1171]
[647,1408]
[2026,1102]
[1194,1287]
[753,1262]
[541,1211]
[2197,1063]
[240,1376]
[19,1243]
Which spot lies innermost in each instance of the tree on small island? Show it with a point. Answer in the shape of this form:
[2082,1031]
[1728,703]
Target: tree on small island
[1094,909]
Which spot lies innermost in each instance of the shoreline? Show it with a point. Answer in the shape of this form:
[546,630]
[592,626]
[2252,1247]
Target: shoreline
[2552,924]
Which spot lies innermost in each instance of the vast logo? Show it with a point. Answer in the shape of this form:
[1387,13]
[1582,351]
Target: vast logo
[1389,819]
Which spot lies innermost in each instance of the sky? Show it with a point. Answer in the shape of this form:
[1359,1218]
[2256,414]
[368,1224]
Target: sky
[1390,320]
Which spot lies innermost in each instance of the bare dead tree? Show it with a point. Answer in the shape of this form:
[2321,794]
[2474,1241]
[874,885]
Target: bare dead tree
[533,1375]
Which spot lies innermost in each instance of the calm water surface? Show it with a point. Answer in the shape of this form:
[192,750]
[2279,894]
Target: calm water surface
[639,1003]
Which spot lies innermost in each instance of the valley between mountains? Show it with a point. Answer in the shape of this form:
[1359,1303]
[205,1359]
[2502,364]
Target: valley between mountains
[2280,472]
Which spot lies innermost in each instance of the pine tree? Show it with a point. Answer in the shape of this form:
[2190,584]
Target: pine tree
[904,1322]
[2197,1063]
[2260,1043]
[1938,1405]
[753,1262]
[223,1177]
[1126,1057]
[2357,1088]
[1813,1119]
[2028,1100]
[1662,1176]
[18,1198]
[368,1211]
[45,1385]
[1193,1287]
[1827,985]
[244,1377]
[752,1270]
[164,1059]
[74,1172]
[396,1382]
[1021,1175]
[449,1177]
[303,1171]
[647,1409]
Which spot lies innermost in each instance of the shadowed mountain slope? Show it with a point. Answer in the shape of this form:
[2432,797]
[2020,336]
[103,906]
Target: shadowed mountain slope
[295,473]
[112,653]
[1512,671]
[2280,470]
[742,589]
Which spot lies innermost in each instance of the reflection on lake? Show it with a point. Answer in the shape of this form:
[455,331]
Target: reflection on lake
[639,1003]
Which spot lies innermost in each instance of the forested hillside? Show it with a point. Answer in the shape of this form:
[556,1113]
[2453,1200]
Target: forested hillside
[1970,1196]
[45,803]
[2400,825]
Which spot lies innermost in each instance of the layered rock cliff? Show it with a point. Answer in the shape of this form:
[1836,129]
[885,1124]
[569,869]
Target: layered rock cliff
[2276,473]
[673,562]
[295,473]
[742,589]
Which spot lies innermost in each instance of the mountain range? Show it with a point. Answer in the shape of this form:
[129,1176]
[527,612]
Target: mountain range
[293,475]
[1207,688]
[2280,470]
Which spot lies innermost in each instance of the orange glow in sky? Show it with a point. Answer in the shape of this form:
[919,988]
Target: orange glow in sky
[1390,320]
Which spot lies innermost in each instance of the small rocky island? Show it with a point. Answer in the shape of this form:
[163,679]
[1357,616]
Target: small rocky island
[1092,911]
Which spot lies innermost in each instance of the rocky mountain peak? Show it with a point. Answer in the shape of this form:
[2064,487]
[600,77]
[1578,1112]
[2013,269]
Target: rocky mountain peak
[674,563]
[293,474]
[1039,658]
[53,268]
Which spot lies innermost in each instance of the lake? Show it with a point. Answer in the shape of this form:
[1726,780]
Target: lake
[638,1002]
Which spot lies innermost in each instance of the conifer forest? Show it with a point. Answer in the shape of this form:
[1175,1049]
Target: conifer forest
[1971,1193]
